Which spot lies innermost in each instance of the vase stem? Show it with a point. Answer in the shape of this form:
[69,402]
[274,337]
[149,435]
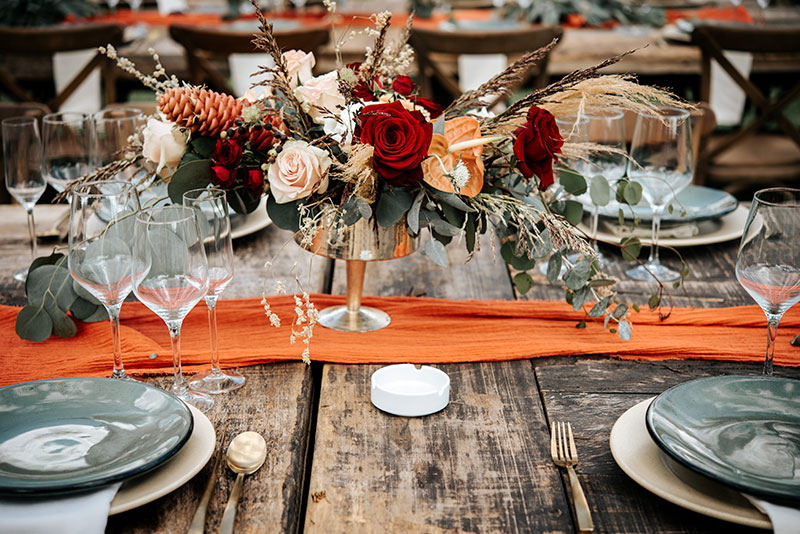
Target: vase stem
[355,284]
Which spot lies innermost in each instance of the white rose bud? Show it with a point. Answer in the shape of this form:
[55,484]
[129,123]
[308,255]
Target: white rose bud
[164,144]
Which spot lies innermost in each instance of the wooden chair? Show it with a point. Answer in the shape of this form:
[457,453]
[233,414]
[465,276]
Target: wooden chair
[10,110]
[749,156]
[202,45]
[436,50]
[30,44]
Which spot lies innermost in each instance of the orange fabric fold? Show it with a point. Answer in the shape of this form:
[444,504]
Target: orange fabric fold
[423,330]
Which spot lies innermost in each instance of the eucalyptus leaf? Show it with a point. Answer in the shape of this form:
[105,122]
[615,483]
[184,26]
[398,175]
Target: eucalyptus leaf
[520,263]
[451,199]
[412,219]
[33,323]
[554,267]
[620,311]
[573,182]
[600,307]
[573,211]
[392,205]
[654,301]
[523,282]
[204,145]
[191,175]
[470,231]
[600,191]
[436,252]
[81,309]
[285,216]
[576,277]
[624,330]
[453,216]
[50,281]
[52,259]
[444,228]
[243,201]
[633,193]
[63,326]
[579,298]
[631,248]
[100,314]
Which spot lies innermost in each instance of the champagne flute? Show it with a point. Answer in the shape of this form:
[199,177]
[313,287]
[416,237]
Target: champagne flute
[100,257]
[112,129]
[768,263]
[170,276]
[66,147]
[211,209]
[22,156]
[661,151]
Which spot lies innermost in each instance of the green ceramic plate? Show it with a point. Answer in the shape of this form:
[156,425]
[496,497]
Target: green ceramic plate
[700,203]
[72,434]
[743,431]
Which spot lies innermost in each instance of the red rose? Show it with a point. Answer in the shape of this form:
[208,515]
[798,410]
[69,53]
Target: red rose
[227,152]
[403,85]
[223,176]
[400,138]
[433,109]
[362,92]
[536,145]
[254,180]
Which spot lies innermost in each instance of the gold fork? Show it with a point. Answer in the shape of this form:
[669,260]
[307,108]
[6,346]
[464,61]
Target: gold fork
[565,455]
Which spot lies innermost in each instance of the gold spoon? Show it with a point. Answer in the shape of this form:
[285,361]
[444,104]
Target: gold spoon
[246,454]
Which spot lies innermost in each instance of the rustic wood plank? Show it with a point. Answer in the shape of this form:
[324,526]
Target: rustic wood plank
[480,465]
[276,403]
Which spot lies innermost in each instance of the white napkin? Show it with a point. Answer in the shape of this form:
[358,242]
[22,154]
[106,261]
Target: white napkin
[165,7]
[241,66]
[679,231]
[727,98]
[785,520]
[86,513]
[476,69]
[86,98]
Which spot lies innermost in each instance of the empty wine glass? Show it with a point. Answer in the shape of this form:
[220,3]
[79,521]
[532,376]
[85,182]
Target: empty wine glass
[100,257]
[22,157]
[66,147]
[607,128]
[661,151]
[768,263]
[211,208]
[170,276]
[112,129]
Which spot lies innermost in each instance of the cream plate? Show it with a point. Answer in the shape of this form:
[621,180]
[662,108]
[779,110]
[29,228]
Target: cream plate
[642,460]
[242,225]
[725,228]
[174,473]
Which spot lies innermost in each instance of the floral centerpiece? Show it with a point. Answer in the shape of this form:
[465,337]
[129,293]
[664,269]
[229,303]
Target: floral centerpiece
[359,142]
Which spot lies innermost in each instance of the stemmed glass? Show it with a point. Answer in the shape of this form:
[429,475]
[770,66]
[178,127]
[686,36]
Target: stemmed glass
[170,276]
[112,128]
[606,127]
[661,151]
[768,263]
[66,147]
[211,209]
[100,257]
[22,156]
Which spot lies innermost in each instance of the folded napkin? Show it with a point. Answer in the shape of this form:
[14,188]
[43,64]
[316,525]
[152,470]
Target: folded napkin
[785,520]
[86,97]
[679,231]
[86,513]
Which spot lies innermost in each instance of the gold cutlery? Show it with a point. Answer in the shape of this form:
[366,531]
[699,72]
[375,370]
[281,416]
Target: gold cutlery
[199,520]
[564,453]
[246,454]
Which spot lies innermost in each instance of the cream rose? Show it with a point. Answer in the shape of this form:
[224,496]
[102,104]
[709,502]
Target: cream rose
[322,91]
[299,170]
[164,144]
[299,65]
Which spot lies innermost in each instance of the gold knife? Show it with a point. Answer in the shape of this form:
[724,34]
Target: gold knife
[199,520]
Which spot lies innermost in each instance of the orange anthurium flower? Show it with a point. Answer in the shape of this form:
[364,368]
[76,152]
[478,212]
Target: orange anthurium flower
[441,161]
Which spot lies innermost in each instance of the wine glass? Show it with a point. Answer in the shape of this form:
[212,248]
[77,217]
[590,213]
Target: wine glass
[112,129]
[661,153]
[100,257]
[170,276]
[66,147]
[211,209]
[22,157]
[606,127]
[768,263]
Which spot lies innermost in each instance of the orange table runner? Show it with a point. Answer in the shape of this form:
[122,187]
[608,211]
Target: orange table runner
[423,330]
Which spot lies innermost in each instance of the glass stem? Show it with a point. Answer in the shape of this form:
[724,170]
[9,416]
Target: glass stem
[32,232]
[772,332]
[211,302]
[178,387]
[113,316]
[595,221]
[657,212]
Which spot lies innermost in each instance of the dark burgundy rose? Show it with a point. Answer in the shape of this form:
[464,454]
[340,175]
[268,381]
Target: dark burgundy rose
[403,85]
[254,180]
[400,138]
[362,92]
[536,146]
[223,176]
[433,109]
[227,152]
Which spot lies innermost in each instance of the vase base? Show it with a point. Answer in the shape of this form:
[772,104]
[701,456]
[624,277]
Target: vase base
[363,319]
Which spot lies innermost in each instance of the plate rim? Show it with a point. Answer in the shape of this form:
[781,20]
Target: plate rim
[699,501]
[97,482]
[767,494]
[241,231]
[667,219]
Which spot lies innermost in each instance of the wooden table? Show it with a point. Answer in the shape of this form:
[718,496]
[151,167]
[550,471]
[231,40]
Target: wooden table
[338,465]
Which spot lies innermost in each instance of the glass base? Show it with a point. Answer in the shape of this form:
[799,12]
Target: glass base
[364,319]
[649,270]
[201,401]
[122,375]
[216,382]
[21,275]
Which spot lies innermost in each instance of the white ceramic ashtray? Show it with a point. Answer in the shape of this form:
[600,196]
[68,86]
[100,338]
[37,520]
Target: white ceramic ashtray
[403,389]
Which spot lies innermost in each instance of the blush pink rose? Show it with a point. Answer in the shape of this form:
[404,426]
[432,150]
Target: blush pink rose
[299,170]
[299,65]
[321,92]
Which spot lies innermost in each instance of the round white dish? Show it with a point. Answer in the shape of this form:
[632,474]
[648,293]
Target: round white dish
[176,472]
[641,459]
[726,228]
[242,225]
[404,390]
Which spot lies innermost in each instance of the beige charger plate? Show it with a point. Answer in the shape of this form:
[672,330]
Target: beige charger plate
[641,459]
[173,474]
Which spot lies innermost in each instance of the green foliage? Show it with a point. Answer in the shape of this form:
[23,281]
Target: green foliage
[192,175]
[519,262]
[595,12]
[436,252]
[43,12]
[523,282]
[285,216]
[600,191]
[393,204]
[573,182]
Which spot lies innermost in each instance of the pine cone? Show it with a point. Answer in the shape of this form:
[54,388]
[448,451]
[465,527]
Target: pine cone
[202,111]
